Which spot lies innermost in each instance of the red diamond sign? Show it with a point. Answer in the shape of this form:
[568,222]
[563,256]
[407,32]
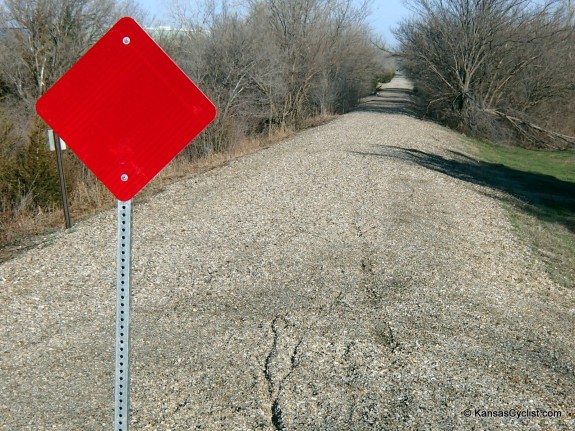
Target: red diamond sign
[126,109]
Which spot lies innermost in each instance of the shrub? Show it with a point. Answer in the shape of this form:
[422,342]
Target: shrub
[28,174]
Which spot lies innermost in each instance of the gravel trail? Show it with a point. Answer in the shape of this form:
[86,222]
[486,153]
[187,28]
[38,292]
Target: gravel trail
[330,282]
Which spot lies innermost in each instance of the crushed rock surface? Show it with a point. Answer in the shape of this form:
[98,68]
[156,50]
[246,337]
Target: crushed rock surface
[330,282]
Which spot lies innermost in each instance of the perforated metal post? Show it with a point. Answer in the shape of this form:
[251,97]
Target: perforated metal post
[123,282]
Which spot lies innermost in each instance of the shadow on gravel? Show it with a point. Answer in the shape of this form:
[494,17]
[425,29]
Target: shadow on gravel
[543,196]
[393,101]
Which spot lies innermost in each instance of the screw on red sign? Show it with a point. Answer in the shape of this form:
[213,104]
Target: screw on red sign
[126,109]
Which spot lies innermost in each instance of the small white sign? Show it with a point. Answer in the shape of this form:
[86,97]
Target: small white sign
[51,141]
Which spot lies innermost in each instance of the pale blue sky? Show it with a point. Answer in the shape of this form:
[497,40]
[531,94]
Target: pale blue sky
[385,14]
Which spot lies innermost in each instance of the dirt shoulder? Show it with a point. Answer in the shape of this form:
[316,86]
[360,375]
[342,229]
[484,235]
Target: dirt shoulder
[331,282]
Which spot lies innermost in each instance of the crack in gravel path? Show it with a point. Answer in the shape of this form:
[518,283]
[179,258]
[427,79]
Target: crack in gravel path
[274,382]
[329,282]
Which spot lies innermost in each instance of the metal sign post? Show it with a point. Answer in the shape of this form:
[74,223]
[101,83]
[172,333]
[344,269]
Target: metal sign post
[123,283]
[56,142]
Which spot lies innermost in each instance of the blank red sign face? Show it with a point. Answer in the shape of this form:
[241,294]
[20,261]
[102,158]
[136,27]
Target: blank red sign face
[126,109]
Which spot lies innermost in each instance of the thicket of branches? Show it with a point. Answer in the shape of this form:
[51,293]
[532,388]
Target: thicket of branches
[275,63]
[500,69]
[270,65]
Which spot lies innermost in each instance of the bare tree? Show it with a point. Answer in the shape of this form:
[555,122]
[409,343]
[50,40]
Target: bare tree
[322,52]
[276,62]
[484,63]
[43,38]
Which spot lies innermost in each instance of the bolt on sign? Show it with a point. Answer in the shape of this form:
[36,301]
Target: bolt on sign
[126,110]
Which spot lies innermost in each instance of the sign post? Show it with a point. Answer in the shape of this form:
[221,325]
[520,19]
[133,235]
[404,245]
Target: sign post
[126,110]
[123,296]
[56,142]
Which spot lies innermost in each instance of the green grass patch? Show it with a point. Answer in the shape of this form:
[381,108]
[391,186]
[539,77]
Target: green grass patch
[559,164]
[542,208]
